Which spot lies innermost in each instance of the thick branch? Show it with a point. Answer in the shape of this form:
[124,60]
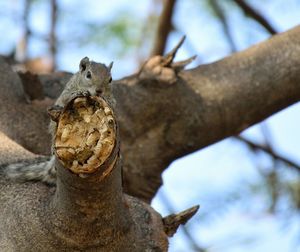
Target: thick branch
[204,105]
[21,121]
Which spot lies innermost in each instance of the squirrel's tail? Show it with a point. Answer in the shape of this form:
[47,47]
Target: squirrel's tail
[41,170]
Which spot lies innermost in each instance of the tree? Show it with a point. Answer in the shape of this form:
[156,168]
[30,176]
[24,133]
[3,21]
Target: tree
[183,111]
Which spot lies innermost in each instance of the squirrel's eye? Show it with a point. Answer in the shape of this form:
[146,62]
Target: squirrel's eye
[110,80]
[88,75]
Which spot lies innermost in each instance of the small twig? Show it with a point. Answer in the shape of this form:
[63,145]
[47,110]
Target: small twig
[256,16]
[270,152]
[172,221]
[170,208]
[169,57]
[220,14]
[52,35]
[266,134]
[164,28]
[179,65]
[271,176]
[26,29]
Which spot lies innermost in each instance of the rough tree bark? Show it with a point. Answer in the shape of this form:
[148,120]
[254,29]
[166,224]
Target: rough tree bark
[165,112]
[204,105]
[88,210]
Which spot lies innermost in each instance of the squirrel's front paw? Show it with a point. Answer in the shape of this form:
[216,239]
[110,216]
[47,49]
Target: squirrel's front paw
[85,93]
[54,112]
[80,93]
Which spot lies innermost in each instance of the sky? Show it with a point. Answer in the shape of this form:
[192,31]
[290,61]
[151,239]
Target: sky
[207,176]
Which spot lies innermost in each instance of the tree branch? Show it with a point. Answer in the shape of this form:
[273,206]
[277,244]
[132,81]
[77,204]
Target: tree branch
[219,12]
[53,39]
[25,123]
[256,16]
[269,151]
[204,105]
[164,28]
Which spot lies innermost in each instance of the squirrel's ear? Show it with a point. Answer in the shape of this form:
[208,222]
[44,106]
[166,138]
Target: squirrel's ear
[83,63]
[110,65]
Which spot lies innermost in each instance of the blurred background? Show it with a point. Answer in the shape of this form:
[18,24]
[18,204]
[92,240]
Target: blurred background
[248,186]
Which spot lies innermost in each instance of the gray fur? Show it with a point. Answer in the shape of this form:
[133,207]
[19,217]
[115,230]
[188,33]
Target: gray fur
[33,170]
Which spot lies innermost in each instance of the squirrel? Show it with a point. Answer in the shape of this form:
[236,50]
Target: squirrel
[92,79]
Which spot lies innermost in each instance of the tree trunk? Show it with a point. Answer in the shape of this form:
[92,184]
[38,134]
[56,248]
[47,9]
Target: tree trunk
[88,210]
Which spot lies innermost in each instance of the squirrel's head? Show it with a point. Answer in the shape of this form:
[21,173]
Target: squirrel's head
[96,76]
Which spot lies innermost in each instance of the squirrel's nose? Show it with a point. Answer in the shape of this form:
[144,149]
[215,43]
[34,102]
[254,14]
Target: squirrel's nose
[99,92]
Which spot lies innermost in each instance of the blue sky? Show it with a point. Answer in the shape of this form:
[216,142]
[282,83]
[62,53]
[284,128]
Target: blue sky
[217,170]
